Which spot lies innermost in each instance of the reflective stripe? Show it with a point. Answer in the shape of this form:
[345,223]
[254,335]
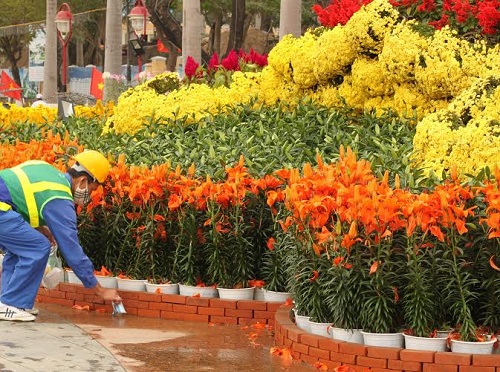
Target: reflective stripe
[29,196]
[4,206]
[42,186]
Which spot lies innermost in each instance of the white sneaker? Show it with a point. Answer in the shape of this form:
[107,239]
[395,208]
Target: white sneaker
[14,314]
[32,311]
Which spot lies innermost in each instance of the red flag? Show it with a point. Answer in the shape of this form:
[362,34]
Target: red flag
[96,83]
[161,47]
[9,88]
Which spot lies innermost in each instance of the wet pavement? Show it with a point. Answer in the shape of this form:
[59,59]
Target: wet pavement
[63,339]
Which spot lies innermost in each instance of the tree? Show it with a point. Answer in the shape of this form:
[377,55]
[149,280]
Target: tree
[113,47]
[163,16]
[13,40]
[291,18]
[237,26]
[191,33]
[50,68]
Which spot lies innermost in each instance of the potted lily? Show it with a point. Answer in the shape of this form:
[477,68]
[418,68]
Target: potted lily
[380,316]
[273,270]
[421,301]
[106,278]
[229,250]
[343,296]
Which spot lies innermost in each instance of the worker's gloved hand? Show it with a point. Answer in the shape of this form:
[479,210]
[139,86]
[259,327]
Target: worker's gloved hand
[111,295]
[107,294]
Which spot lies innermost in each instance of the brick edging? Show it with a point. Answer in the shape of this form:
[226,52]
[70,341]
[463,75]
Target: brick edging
[167,306]
[311,348]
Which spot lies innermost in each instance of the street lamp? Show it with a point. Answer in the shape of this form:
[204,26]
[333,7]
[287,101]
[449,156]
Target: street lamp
[138,17]
[64,27]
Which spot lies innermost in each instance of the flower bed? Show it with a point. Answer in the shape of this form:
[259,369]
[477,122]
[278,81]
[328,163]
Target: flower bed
[312,349]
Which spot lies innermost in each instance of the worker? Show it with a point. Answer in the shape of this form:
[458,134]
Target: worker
[39,101]
[37,211]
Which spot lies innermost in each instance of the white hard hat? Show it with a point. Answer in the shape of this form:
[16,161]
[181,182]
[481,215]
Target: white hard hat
[39,96]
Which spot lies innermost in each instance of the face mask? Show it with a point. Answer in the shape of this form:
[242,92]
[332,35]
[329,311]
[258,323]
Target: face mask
[81,196]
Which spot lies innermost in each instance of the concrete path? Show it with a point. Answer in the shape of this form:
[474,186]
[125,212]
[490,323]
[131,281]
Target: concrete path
[65,339]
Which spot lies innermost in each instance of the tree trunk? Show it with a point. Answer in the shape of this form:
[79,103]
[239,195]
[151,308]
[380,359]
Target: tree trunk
[79,53]
[191,33]
[290,18]
[113,48]
[215,35]
[50,64]
[169,31]
[237,27]
[11,46]
[172,57]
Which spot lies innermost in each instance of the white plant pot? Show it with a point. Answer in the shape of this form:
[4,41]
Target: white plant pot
[258,294]
[425,343]
[72,278]
[107,281]
[134,285]
[170,288]
[191,290]
[384,339]
[273,296]
[468,347]
[303,321]
[236,293]
[320,329]
[348,335]
[444,334]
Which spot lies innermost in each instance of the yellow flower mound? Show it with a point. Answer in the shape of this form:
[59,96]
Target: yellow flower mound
[440,72]
[368,77]
[302,61]
[333,54]
[400,53]
[465,134]
[43,114]
[368,27]
[280,57]
[143,105]
[276,90]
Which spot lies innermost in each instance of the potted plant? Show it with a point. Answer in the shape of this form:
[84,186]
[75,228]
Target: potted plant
[421,300]
[229,251]
[161,285]
[380,316]
[106,278]
[343,296]
[273,270]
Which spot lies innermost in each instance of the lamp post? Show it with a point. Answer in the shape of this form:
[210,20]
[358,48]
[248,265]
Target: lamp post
[64,27]
[138,17]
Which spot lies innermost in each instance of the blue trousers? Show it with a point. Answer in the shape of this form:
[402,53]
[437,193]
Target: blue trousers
[26,254]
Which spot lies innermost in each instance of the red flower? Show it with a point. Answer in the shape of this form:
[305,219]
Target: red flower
[191,67]
[213,64]
[231,62]
[488,16]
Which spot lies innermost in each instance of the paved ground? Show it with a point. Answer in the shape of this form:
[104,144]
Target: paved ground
[63,339]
